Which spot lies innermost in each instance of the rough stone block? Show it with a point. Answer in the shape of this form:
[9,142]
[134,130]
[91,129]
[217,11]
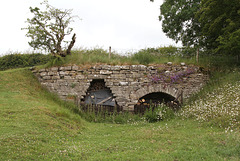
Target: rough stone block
[72,73]
[133,96]
[105,72]
[142,67]
[51,73]
[129,76]
[129,79]
[117,76]
[68,68]
[42,70]
[106,67]
[116,83]
[151,68]
[123,83]
[75,68]
[184,68]
[62,73]
[55,77]
[108,83]
[80,77]
[42,74]
[54,69]
[61,68]
[134,101]
[182,64]
[124,71]
[134,67]
[68,77]
[122,99]
[116,67]
[46,77]
[115,72]
[96,76]
[125,67]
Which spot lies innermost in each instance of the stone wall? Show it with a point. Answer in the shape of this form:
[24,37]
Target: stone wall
[128,83]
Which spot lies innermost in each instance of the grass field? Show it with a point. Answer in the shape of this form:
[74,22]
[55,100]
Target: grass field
[34,125]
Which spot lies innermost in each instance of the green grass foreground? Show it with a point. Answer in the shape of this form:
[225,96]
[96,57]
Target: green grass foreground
[34,126]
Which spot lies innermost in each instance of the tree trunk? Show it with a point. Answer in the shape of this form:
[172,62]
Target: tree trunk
[68,52]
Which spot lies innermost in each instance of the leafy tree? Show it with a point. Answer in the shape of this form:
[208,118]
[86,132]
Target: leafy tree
[47,30]
[220,21]
[179,22]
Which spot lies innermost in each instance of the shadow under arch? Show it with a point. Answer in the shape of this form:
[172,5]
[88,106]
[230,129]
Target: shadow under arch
[155,99]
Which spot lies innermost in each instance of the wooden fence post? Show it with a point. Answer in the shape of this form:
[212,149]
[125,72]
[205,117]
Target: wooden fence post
[197,55]
[110,52]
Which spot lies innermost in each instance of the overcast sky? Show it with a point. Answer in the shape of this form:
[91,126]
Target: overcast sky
[125,25]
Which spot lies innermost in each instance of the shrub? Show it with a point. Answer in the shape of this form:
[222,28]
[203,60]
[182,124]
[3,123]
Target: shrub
[143,57]
[169,51]
[188,51]
[23,60]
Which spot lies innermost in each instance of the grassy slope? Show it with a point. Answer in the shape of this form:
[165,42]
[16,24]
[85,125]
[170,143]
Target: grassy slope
[31,123]
[34,127]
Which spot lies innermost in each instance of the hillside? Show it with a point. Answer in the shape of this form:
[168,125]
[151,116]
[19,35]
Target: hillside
[35,125]
[31,121]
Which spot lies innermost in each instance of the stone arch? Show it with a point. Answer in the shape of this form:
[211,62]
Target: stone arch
[158,88]
[156,94]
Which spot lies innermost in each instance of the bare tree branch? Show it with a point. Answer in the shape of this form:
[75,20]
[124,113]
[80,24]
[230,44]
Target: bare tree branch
[68,52]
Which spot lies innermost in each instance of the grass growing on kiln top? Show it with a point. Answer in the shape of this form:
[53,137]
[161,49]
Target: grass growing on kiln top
[144,56]
[36,126]
[147,56]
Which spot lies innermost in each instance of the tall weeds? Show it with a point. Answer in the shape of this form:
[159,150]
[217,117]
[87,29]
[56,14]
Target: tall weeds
[148,56]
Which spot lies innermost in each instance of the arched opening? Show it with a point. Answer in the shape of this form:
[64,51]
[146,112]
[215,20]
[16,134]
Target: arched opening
[99,94]
[99,98]
[155,99]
